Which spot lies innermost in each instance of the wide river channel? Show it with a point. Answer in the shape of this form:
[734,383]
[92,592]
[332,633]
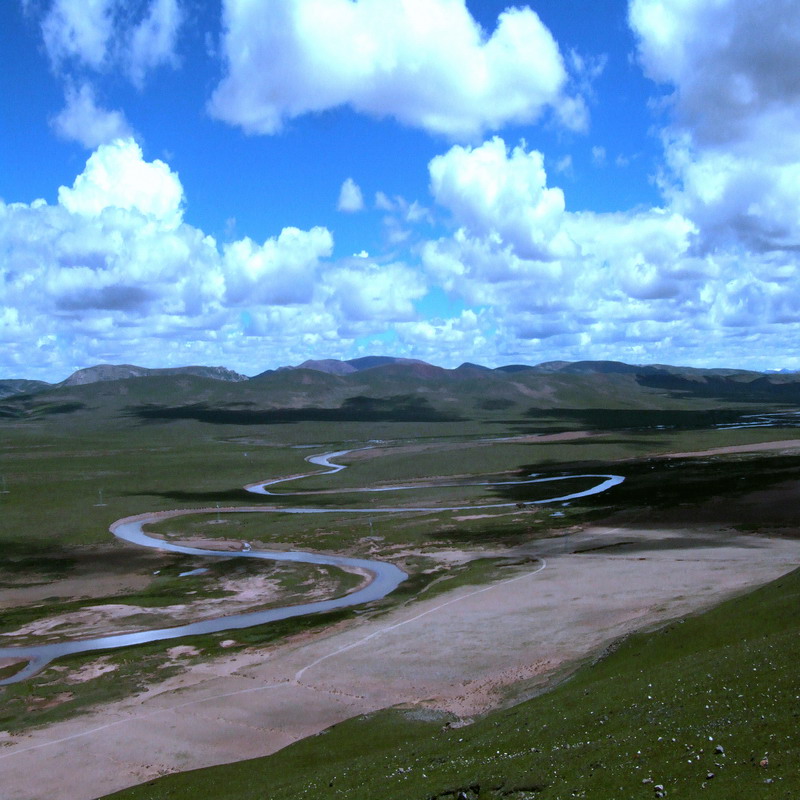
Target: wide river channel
[383,577]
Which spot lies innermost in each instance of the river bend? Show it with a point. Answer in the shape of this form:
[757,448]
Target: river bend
[383,577]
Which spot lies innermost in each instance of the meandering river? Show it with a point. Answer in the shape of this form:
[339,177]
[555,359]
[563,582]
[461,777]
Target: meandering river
[383,577]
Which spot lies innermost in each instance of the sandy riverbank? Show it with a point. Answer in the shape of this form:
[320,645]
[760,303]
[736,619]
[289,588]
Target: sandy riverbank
[463,652]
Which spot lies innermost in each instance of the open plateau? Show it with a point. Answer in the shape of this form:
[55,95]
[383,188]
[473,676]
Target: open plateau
[382,578]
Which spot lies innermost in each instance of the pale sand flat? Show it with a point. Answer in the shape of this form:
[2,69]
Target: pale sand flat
[460,652]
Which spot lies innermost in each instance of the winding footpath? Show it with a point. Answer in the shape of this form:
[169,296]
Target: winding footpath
[383,577]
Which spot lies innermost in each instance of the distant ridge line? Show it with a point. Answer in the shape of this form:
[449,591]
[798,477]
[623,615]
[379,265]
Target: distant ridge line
[397,365]
[116,372]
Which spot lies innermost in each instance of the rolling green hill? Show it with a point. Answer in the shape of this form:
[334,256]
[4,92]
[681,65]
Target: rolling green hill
[410,388]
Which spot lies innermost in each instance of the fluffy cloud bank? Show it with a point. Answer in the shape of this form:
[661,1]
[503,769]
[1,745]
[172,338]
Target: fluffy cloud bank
[614,283]
[388,58]
[112,271]
[733,64]
[713,270]
[492,192]
[117,177]
[113,268]
[733,147]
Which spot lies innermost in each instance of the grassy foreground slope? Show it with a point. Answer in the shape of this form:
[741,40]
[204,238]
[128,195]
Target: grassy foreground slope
[707,707]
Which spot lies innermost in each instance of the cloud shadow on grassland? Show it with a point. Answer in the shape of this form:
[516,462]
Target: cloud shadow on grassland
[765,389]
[400,408]
[25,406]
[754,491]
[599,419]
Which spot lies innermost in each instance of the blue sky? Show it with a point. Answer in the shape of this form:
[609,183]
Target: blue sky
[257,183]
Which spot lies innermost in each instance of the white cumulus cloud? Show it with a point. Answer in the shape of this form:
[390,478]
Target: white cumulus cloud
[609,283]
[281,271]
[79,29]
[112,272]
[368,292]
[732,62]
[153,40]
[83,121]
[494,192]
[350,197]
[117,176]
[427,63]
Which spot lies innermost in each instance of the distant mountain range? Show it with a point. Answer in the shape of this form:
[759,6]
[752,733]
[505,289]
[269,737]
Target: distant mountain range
[335,367]
[332,366]
[113,372]
[361,387]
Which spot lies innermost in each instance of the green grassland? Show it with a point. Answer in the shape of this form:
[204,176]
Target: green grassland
[74,460]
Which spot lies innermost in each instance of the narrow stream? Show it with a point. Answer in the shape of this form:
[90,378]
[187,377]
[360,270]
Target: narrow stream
[384,578]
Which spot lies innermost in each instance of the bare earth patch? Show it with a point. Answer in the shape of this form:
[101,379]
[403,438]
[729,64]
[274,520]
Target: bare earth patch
[247,593]
[465,651]
[90,671]
[112,569]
